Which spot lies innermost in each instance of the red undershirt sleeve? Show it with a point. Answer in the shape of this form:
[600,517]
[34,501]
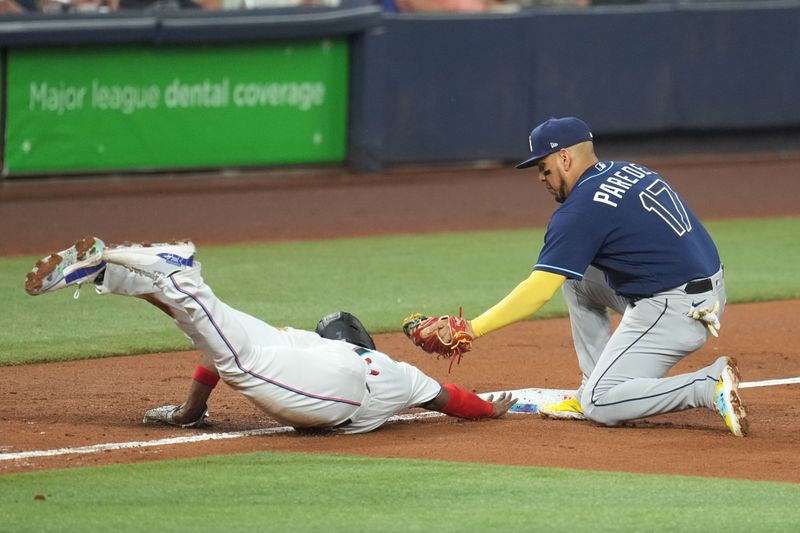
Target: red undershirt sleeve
[205,376]
[465,404]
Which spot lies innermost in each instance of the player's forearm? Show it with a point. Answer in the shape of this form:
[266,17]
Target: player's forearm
[195,405]
[526,299]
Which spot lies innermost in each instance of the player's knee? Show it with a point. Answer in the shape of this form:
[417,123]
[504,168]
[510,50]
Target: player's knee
[595,411]
[600,415]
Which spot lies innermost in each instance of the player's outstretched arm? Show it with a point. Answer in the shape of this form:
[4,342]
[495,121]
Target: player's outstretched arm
[526,299]
[452,400]
[452,336]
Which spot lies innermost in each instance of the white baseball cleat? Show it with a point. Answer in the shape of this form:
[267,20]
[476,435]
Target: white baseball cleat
[154,260]
[727,402]
[80,263]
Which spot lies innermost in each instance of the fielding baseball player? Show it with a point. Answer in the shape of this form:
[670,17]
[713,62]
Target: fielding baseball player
[297,377]
[622,239]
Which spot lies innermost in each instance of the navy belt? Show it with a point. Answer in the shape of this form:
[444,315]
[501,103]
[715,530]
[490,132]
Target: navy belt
[699,286]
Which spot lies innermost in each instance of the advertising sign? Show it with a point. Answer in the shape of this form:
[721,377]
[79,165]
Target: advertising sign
[140,107]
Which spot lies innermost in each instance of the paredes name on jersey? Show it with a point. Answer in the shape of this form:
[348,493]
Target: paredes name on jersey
[618,183]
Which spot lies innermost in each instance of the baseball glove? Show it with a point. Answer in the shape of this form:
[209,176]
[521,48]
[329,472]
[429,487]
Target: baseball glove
[445,336]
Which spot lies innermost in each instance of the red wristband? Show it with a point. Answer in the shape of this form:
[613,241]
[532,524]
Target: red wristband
[465,404]
[206,376]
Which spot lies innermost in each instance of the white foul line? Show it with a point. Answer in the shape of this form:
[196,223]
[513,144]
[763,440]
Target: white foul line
[768,383]
[527,398]
[94,448]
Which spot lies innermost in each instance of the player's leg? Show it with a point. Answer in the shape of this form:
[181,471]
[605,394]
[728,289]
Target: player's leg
[628,381]
[83,263]
[655,333]
[122,281]
[588,301]
[213,327]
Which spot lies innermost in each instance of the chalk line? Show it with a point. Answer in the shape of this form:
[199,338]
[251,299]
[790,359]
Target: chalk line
[94,448]
[528,401]
[768,383]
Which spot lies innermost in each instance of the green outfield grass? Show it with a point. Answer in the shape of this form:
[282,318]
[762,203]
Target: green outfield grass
[298,492]
[381,280]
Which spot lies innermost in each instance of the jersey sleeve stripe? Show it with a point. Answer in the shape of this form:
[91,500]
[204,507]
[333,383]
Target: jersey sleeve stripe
[571,273]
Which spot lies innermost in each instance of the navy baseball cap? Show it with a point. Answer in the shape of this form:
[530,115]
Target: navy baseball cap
[554,134]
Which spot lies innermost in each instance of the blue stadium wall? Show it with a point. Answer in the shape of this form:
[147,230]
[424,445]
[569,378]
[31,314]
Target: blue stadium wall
[451,88]
[460,88]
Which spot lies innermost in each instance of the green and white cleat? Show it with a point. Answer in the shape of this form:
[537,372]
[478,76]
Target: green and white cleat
[80,263]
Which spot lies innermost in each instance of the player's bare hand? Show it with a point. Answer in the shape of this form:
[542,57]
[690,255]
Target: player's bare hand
[502,404]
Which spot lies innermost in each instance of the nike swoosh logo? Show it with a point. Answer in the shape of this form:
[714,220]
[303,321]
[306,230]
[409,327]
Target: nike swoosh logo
[695,304]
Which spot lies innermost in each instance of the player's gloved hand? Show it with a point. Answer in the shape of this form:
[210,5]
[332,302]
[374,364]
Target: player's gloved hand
[447,336]
[166,414]
[707,316]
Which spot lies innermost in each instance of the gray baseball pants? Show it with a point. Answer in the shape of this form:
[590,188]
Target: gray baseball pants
[624,371]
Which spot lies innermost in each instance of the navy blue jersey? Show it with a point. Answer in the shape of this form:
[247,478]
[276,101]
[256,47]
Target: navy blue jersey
[624,219]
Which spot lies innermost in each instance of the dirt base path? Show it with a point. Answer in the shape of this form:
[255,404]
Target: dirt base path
[99,401]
